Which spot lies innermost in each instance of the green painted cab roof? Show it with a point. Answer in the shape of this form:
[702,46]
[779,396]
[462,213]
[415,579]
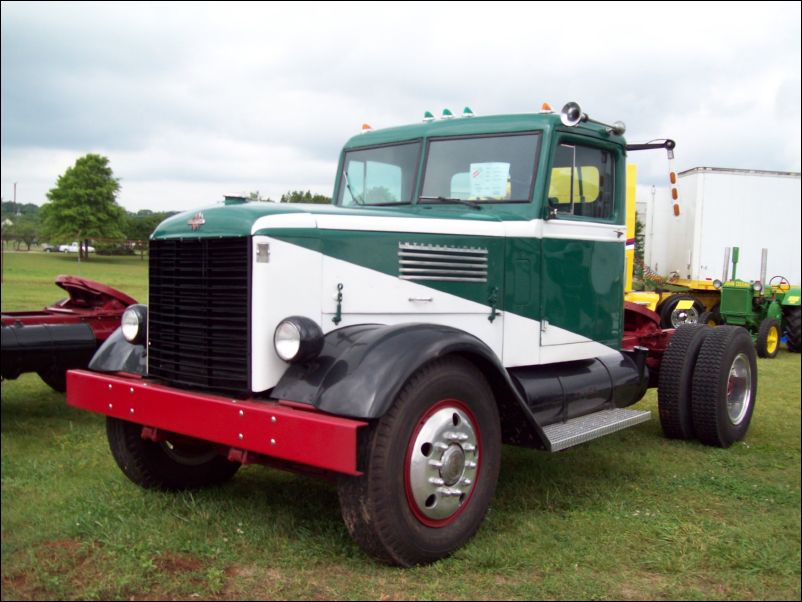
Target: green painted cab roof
[467,126]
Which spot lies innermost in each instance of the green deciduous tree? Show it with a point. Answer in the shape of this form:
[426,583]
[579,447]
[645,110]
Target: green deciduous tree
[83,204]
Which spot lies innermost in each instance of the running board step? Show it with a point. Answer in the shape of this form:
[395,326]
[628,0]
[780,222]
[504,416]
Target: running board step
[584,428]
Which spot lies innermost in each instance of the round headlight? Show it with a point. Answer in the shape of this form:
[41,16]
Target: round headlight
[757,285]
[134,324]
[298,339]
[717,283]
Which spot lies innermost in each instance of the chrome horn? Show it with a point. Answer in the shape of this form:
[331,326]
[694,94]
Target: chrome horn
[572,115]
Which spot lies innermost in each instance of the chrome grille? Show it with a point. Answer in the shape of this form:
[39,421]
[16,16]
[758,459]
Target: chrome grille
[199,313]
[441,263]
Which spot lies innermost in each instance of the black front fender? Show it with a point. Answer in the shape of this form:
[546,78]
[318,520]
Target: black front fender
[361,369]
[118,355]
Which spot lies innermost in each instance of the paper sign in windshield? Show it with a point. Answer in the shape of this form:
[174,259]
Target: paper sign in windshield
[489,180]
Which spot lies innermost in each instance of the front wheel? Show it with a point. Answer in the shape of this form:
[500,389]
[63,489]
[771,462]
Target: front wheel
[768,338]
[430,467]
[174,463]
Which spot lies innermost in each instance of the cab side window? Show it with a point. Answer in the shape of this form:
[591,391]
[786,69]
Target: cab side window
[582,182]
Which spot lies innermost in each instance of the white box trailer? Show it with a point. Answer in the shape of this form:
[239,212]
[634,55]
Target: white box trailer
[720,207]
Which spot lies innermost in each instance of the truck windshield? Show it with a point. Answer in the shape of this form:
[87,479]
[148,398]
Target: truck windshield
[383,175]
[481,168]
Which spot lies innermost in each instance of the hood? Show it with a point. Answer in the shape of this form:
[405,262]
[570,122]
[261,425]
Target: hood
[241,219]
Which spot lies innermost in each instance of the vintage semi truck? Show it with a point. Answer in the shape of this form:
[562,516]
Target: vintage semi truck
[465,289]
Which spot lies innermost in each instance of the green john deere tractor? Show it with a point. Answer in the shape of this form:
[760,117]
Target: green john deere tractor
[768,311]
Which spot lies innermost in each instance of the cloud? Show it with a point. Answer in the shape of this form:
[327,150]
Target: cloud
[211,96]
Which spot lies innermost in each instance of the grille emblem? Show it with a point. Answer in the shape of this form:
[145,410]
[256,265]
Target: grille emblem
[197,221]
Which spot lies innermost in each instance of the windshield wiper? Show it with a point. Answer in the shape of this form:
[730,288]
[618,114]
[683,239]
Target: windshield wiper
[351,192]
[444,199]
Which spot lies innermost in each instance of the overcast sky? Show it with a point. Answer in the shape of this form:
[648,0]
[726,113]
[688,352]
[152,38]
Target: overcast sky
[191,101]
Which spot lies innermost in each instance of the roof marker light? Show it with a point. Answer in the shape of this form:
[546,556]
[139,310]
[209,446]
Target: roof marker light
[546,108]
[466,112]
[366,128]
[427,117]
[447,114]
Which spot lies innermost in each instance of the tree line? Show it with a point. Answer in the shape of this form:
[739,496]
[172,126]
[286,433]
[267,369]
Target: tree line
[83,207]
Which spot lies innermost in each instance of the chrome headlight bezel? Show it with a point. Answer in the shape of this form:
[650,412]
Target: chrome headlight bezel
[134,324]
[297,339]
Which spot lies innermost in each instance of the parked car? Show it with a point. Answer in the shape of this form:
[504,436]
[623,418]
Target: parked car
[73,248]
[48,248]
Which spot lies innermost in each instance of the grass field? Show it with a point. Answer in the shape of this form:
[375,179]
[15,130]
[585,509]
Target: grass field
[630,516]
[28,277]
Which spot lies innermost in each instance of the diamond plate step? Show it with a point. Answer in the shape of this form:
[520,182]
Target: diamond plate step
[578,430]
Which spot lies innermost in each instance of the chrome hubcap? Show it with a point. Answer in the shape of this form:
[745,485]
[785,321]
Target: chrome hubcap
[739,389]
[453,465]
[684,316]
[443,463]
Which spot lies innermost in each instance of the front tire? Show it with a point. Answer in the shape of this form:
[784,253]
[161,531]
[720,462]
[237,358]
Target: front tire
[768,338]
[173,464]
[431,464]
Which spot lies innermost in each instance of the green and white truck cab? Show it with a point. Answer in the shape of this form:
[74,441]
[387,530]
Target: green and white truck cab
[464,289]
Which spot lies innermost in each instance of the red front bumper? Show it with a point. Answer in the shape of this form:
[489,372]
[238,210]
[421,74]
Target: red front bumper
[263,427]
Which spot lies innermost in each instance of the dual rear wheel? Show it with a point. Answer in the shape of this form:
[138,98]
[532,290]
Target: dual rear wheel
[708,384]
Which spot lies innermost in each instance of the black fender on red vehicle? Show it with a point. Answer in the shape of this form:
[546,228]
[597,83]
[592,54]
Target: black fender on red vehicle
[118,355]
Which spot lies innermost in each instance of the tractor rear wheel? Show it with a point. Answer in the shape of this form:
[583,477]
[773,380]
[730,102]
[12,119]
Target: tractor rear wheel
[792,317]
[768,338]
[724,386]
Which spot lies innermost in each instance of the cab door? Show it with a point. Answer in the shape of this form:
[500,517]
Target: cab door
[583,246]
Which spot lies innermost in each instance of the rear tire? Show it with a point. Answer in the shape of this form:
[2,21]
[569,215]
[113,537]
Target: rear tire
[430,467]
[724,386]
[792,316]
[674,385]
[174,464]
[768,338]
